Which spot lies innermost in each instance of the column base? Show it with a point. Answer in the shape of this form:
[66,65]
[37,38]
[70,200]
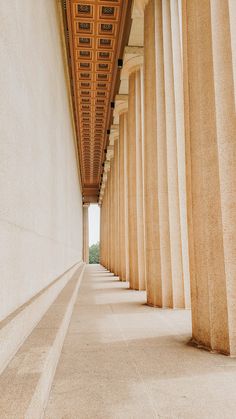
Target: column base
[137,289]
[202,346]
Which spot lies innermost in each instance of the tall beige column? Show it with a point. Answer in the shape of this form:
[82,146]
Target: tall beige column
[139,120]
[172,161]
[165,288]
[85,234]
[132,63]
[152,235]
[109,221]
[112,216]
[124,254]
[211,110]
[177,51]
[121,107]
[116,207]
[106,224]
[132,206]
[166,241]
[127,259]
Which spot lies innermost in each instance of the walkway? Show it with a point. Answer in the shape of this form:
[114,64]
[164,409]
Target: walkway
[122,359]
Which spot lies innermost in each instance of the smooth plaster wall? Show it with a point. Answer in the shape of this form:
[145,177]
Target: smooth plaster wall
[40,196]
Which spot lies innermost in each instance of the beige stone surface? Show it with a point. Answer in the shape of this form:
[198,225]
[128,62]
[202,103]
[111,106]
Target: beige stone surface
[40,205]
[139,131]
[116,237]
[165,212]
[17,327]
[123,198]
[172,161]
[123,359]
[213,170]
[26,382]
[126,242]
[151,208]
[177,51]
[132,186]
[165,288]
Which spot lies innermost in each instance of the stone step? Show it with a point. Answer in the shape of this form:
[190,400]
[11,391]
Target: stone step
[17,326]
[25,383]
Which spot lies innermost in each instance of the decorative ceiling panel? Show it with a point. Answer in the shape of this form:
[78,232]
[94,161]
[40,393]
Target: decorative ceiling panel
[95,28]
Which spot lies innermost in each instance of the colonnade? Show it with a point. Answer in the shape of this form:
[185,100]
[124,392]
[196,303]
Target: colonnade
[168,196]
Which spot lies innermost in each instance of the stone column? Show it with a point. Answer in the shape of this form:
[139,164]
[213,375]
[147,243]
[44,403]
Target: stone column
[105,222]
[152,230]
[172,159]
[123,198]
[176,32]
[139,120]
[125,133]
[109,221]
[132,62]
[211,109]
[132,208]
[164,287]
[121,106]
[85,234]
[112,199]
[116,207]
[112,230]
[166,240]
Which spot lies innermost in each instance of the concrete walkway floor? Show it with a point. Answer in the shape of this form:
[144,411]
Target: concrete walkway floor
[122,359]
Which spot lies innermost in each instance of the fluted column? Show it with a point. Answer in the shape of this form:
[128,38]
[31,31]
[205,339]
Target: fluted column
[164,286]
[127,259]
[132,63]
[172,161]
[209,64]
[112,231]
[139,121]
[109,220]
[85,234]
[123,224]
[152,235]
[176,32]
[132,188]
[121,106]
[116,206]
[107,225]
[166,242]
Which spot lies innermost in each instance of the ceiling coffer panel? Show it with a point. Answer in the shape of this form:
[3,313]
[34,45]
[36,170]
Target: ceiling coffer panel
[94,31]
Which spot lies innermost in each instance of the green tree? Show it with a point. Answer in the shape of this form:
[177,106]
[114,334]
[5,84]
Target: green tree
[94,253]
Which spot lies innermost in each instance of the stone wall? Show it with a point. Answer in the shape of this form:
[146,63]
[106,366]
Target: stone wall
[40,195]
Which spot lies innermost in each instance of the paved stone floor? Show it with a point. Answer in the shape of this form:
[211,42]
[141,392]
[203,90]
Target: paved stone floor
[122,359]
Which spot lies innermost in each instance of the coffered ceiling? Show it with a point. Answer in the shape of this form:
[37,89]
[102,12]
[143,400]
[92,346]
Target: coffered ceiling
[96,33]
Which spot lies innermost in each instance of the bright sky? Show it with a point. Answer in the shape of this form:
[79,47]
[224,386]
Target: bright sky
[94,224]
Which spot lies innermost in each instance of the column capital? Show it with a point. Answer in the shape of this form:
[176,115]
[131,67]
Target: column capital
[86,205]
[121,106]
[138,7]
[107,166]
[133,60]
[110,152]
[114,134]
